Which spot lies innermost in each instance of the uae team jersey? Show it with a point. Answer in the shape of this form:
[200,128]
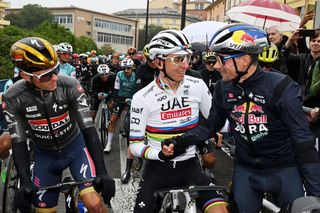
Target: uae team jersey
[157,113]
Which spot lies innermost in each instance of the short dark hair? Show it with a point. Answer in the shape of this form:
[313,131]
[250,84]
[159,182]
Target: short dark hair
[316,35]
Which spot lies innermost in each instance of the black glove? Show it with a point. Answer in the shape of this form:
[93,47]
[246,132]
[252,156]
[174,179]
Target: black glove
[106,185]
[24,197]
[179,148]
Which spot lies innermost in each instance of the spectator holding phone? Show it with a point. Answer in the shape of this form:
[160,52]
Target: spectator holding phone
[305,72]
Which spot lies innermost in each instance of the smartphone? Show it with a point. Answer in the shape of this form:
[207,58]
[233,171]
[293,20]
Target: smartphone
[307,33]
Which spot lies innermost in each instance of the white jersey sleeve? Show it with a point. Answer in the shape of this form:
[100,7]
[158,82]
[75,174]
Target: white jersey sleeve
[138,120]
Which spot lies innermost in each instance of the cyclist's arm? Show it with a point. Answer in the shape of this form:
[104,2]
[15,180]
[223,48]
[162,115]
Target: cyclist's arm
[208,127]
[296,123]
[117,87]
[84,120]
[17,129]
[138,121]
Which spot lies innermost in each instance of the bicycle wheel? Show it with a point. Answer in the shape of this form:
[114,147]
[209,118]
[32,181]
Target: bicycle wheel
[103,129]
[10,186]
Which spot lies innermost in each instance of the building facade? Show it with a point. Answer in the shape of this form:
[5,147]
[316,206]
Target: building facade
[166,17]
[3,7]
[121,33]
[216,10]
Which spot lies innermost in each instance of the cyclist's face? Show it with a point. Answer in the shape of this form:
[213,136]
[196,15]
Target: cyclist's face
[49,85]
[115,60]
[226,67]
[315,44]
[177,65]
[128,71]
[64,57]
[104,77]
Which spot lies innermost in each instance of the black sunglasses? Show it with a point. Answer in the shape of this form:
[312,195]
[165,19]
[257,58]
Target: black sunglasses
[211,62]
[265,64]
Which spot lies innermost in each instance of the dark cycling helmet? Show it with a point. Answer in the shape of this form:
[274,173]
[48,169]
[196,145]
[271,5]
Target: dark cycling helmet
[103,69]
[33,54]
[209,55]
[127,62]
[270,55]
[239,38]
[167,42]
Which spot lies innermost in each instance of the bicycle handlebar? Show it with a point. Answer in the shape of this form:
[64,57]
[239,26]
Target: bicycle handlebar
[67,184]
[190,189]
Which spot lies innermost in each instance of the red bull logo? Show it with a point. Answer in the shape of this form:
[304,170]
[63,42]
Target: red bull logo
[240,108]
[242,37]
[255,108]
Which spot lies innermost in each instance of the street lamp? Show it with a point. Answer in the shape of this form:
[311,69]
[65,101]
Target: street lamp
[146,28]
[183,14]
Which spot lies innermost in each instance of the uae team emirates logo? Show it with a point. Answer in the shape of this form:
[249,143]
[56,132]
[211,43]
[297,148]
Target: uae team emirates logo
[56,123]
[176,114]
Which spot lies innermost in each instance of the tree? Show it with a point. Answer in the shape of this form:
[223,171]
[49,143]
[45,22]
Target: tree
[55,33]
[106,50]
[8,36]
[85,44]
[30,16]
[152,31]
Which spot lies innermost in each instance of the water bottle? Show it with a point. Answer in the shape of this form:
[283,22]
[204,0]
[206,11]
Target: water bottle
[82,208]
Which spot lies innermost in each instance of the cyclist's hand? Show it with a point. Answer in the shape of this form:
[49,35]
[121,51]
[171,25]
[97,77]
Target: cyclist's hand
[177,143]
[128,101]
[24,197]
[106,185]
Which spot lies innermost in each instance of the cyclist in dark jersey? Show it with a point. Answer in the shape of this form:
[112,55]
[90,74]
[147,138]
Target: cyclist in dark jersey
[275,150]
[55,112]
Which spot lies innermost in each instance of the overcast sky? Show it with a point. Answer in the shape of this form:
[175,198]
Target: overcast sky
[107,6]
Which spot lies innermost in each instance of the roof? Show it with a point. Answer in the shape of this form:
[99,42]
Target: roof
[153,11]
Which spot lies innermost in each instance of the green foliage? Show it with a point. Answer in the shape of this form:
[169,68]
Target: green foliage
[152,31]
[84,44]
[8,36]
[55,33]
[31,16]
[106,50]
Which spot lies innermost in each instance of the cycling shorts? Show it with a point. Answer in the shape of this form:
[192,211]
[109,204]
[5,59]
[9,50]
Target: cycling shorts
[163,175]
[49,166]
[118,108]
[249,185]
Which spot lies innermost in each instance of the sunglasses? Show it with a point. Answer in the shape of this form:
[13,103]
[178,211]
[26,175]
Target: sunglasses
[223,59]
[211,63]
[265,65]
[46,76]
[178,60]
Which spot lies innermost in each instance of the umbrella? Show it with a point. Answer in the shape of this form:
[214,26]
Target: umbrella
[202,32]
[265,13]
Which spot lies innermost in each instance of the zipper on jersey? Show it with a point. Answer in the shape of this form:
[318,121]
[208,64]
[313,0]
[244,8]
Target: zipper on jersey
[49,123]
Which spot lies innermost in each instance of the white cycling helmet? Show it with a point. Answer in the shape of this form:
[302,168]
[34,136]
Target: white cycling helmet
[167,42]
[127,62]
[64,47]
[103,69]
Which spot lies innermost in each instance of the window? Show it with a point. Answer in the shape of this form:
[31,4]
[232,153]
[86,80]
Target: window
[88,22]
[88,33]
[114,39]
[63,19]
[112,25]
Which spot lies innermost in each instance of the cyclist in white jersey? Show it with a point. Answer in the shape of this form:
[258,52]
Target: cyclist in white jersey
[167,107]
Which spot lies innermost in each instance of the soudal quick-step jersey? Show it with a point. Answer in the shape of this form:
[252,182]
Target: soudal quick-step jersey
[66,109]
[159,113]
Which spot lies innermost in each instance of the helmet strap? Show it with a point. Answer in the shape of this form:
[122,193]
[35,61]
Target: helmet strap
[166,74]
[238,72]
